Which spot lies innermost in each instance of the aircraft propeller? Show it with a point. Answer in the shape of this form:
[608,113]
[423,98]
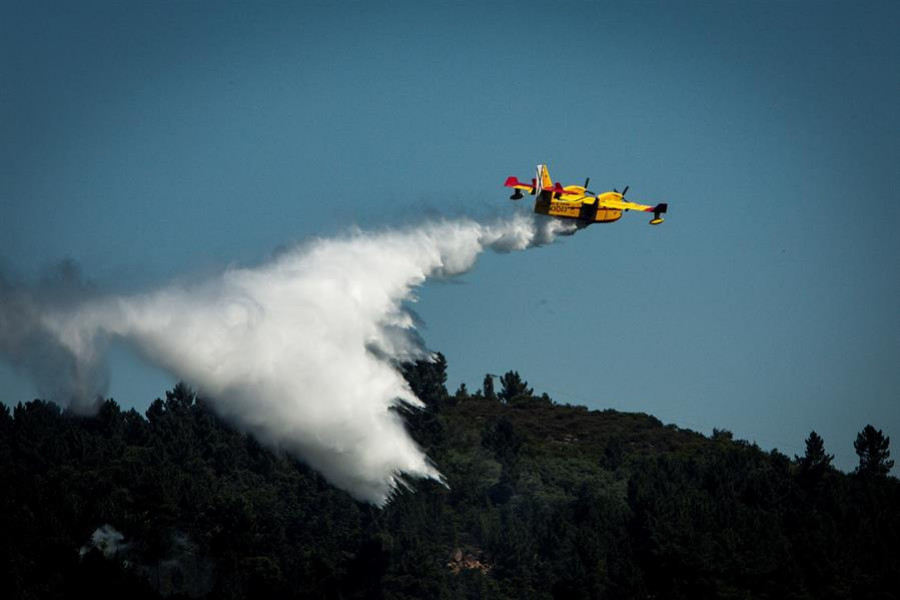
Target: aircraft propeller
[625,191]
[586,190]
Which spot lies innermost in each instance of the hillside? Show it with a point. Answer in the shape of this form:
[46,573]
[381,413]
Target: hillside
[542,501]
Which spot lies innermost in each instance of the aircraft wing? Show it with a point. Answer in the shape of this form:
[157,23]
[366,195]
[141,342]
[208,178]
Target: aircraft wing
[624,205]
[657,210]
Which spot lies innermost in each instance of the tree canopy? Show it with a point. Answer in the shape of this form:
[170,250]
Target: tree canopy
[514,388]
[872,447]
[542,501]
[815,460]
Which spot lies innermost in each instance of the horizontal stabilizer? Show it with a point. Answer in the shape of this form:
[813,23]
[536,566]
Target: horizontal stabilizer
[514,182]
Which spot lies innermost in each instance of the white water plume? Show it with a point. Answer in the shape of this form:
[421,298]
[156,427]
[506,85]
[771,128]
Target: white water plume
[302,352]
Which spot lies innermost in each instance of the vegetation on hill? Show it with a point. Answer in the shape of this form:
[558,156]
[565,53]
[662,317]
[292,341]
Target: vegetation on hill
[541,501]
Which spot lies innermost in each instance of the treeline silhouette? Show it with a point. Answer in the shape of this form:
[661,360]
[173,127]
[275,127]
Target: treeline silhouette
[542,501]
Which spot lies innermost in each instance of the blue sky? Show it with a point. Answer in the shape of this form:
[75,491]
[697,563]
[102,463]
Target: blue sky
[159,140]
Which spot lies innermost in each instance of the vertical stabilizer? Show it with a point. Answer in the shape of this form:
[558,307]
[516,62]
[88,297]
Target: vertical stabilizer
[543,175]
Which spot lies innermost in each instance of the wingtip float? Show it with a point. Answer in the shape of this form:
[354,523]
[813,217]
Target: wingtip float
[578,202]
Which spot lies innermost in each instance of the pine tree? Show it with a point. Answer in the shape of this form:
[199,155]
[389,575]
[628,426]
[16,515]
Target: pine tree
[426,378]
[514,387]
[488,387]
[872,447]
[815,460]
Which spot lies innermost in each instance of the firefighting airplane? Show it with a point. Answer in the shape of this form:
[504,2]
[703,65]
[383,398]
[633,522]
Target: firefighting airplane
[578,202]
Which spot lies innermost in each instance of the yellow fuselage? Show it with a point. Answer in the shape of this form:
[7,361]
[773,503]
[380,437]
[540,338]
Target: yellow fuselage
[574,204]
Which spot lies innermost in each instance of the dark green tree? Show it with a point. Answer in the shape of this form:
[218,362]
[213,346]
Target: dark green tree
[872,447]
[180,398]
[722,435]
[488,387]
[514,388]
[502,439]
[815,460]
[6,421]
[549,502]
[426,378]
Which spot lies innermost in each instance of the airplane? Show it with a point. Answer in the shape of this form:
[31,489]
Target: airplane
[578,202]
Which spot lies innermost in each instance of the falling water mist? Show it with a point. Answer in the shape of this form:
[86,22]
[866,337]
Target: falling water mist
[302,352]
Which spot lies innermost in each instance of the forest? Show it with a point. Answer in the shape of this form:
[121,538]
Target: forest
[542,501]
